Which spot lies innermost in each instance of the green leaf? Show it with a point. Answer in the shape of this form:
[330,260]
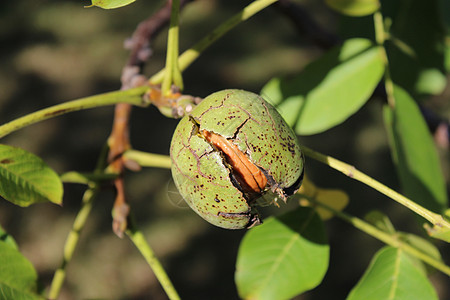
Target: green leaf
[110,4]
[421,244]
[437,232]
[17,275]
[9,240]
[419,25]
[354,8]
[25,179]
[414,153]
[283,257]
[392,275]
[329,90]
[381,221]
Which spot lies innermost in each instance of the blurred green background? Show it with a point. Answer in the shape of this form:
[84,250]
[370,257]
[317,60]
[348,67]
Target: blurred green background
[54,51]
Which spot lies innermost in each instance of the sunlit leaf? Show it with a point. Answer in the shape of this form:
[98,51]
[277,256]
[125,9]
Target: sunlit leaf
[447,213]
[283,257]
[9,240]
[110,4]
[25,179]
[336,199]
[441,233]
[355,8]
[392,275]
[17,275]
[333,198]
[329,90]
[414,153]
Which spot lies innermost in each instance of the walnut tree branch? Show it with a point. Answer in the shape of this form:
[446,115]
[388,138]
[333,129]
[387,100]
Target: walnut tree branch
[140,51]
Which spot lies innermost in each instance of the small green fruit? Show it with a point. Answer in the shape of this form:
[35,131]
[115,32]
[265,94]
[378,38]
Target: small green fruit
[228,152]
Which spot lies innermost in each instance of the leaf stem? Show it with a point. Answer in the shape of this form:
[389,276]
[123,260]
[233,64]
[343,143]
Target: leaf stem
[190,55]
[145,159]
[132,96]
[78,225]
[72,241]
[387,238]
[139,241]
[86,178]
[381,37]
[352,172]
[174,74]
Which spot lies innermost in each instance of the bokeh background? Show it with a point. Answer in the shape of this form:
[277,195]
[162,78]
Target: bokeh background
[53,51]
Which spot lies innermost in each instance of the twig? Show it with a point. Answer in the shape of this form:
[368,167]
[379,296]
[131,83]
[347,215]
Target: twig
[387,238]
[173,76]
[140,42]
[435,219]
[119,140]
[156,160]
[72,241]
[145,159]
[132,97]
[139,241]
[380,37]
[78,225]
[190,55]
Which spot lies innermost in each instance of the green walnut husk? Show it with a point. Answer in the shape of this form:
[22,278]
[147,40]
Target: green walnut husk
[206,180]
